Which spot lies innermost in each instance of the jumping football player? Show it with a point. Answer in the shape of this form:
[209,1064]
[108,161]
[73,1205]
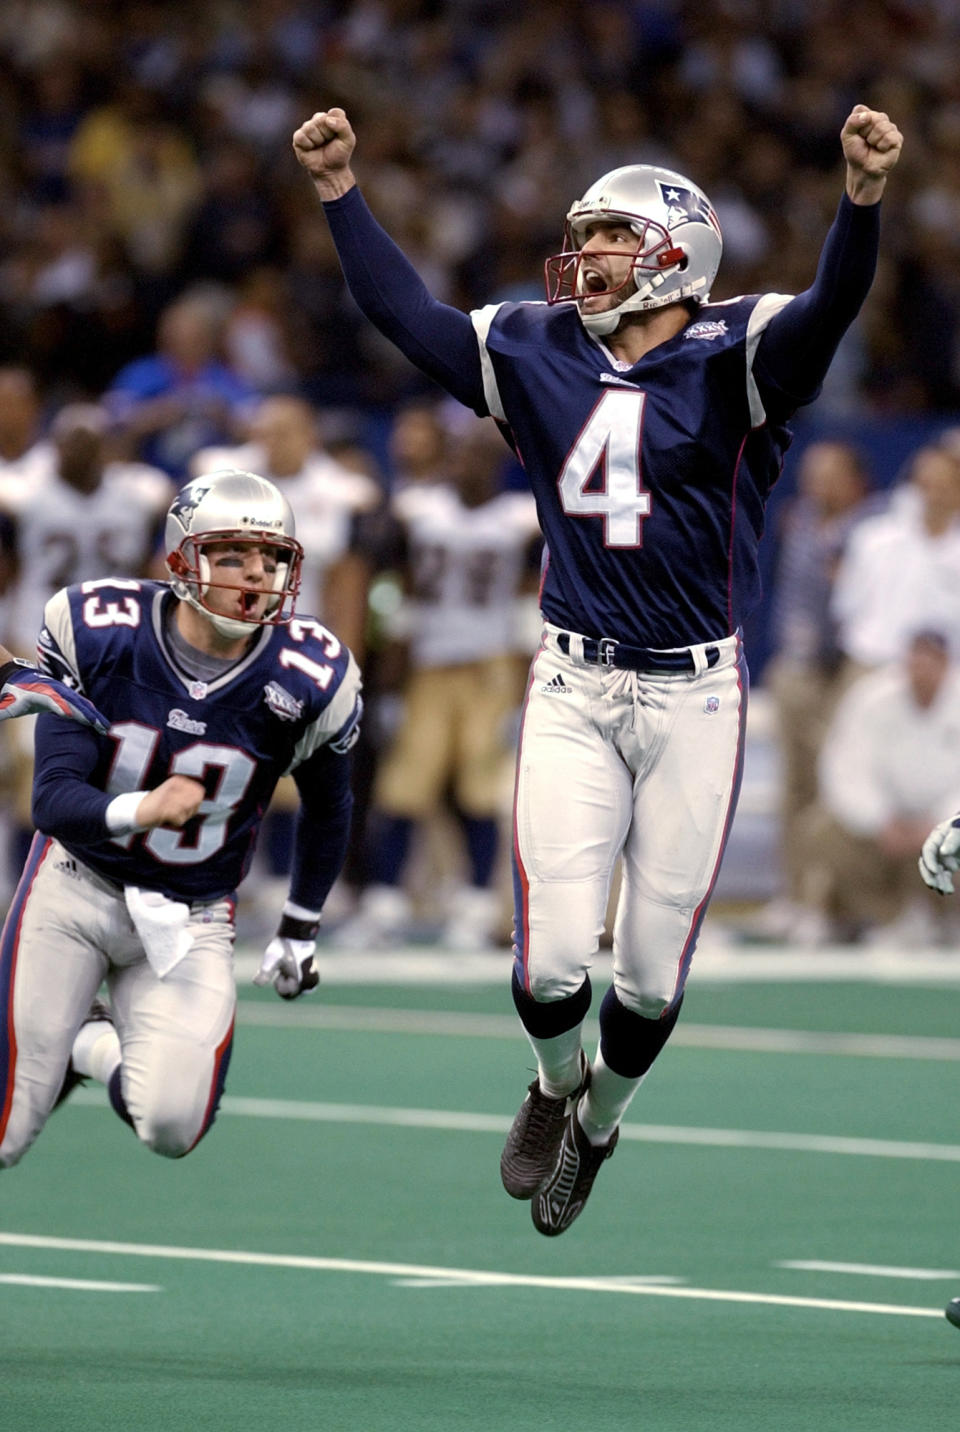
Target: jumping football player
[651,425]
[214,690]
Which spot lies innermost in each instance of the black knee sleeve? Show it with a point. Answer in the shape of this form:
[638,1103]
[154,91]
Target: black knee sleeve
[545,1020]
[628,1042]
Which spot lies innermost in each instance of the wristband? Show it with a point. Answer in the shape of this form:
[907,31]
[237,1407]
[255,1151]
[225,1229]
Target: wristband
[293,929]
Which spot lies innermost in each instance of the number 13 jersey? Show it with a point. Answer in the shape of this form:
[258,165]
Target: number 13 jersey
[296,689]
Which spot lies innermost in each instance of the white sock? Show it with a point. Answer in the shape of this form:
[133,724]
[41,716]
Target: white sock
[558,1062]
[96,1050]
[605,1102]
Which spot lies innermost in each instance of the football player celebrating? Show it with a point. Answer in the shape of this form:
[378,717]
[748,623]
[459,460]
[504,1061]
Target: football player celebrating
[214,689]
[651,425]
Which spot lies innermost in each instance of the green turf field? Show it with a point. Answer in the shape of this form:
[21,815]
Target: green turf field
[770,1248]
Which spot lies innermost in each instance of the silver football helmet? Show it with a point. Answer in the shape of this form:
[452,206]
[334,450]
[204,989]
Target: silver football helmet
[238,507]
[678,243]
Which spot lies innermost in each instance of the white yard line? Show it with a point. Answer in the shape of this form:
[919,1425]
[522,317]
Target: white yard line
[871,1270]
[78,1285]
[742,1038]
[461,1121]
[715,962]
[462,1277]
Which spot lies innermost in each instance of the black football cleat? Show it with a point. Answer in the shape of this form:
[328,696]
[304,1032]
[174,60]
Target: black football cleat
[535,1135]
[952,1311]
[98,1011]
[562,1196]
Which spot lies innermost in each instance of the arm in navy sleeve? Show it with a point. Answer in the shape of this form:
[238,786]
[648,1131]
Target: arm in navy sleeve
[798,344]
[65,802]
[438,339]
[322,827]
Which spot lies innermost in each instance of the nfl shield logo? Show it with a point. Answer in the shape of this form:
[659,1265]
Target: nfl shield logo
[711,705]
[198,690]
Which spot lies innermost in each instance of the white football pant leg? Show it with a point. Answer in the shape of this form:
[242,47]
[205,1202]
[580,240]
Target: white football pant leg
[51,965]
[176,1035]
[574,800]
[682,813]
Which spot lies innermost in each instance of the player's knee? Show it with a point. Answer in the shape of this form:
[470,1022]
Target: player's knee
[547,986]
[648,1003]
[168,1135]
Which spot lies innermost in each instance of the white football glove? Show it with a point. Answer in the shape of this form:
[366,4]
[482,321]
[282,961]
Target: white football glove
[287,961]
[940,856]
[288,965]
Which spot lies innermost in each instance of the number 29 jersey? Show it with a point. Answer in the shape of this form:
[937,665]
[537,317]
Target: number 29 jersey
[650,480]
[296,689]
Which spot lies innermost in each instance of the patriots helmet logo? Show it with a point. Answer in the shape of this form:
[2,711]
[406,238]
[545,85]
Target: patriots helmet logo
[187,501]
[684,206]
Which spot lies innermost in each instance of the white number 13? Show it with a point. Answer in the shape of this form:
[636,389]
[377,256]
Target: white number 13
[610,441]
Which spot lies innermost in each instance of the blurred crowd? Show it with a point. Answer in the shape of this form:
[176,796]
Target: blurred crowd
[170,301]
[145,152]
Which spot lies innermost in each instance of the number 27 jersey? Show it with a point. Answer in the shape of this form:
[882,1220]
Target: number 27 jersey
[296,689]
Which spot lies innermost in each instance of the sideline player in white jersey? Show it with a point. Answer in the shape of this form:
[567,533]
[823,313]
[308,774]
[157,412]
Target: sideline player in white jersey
[213,691]
[651,425]
[84,517]
[467,550]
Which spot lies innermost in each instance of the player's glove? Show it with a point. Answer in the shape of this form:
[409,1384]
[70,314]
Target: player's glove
[940,856]
[287,962]
[25,691]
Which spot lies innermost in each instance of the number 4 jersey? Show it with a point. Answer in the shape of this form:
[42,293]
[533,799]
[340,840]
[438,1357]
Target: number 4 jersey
[650,480]
[296,690]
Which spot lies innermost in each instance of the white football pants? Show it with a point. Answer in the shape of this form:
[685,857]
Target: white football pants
[615,763]
[67,930]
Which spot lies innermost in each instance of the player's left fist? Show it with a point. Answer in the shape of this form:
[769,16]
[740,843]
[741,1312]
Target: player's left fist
[940,856]
[871,142]
[27,691]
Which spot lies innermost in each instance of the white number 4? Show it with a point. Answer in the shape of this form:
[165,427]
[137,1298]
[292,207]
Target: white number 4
[610,442]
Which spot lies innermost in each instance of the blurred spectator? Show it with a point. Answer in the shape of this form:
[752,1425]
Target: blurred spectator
[80,516]
[417,446]
[137,174]
[890,764]
[802,675]
[182,397]
[901,568]
[24,452]
[466,549]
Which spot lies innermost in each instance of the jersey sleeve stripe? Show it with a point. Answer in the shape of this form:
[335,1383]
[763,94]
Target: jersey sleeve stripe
[769,304]
[482,318]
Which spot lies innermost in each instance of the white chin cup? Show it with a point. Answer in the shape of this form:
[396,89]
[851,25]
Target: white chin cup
[600,324]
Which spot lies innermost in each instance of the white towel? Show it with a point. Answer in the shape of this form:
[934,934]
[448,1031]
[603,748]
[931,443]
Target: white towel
[161,924]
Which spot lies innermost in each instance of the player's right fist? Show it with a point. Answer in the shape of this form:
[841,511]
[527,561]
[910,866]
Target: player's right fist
[324,143]
[940,856]
[175,801]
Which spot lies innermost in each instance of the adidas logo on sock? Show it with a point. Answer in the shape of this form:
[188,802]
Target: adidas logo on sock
[556,687]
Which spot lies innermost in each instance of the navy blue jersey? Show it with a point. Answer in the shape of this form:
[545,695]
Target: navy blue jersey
[650,481]
[296,690]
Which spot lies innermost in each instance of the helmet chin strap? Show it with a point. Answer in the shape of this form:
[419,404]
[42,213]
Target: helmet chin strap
[602,324]
[232,628]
